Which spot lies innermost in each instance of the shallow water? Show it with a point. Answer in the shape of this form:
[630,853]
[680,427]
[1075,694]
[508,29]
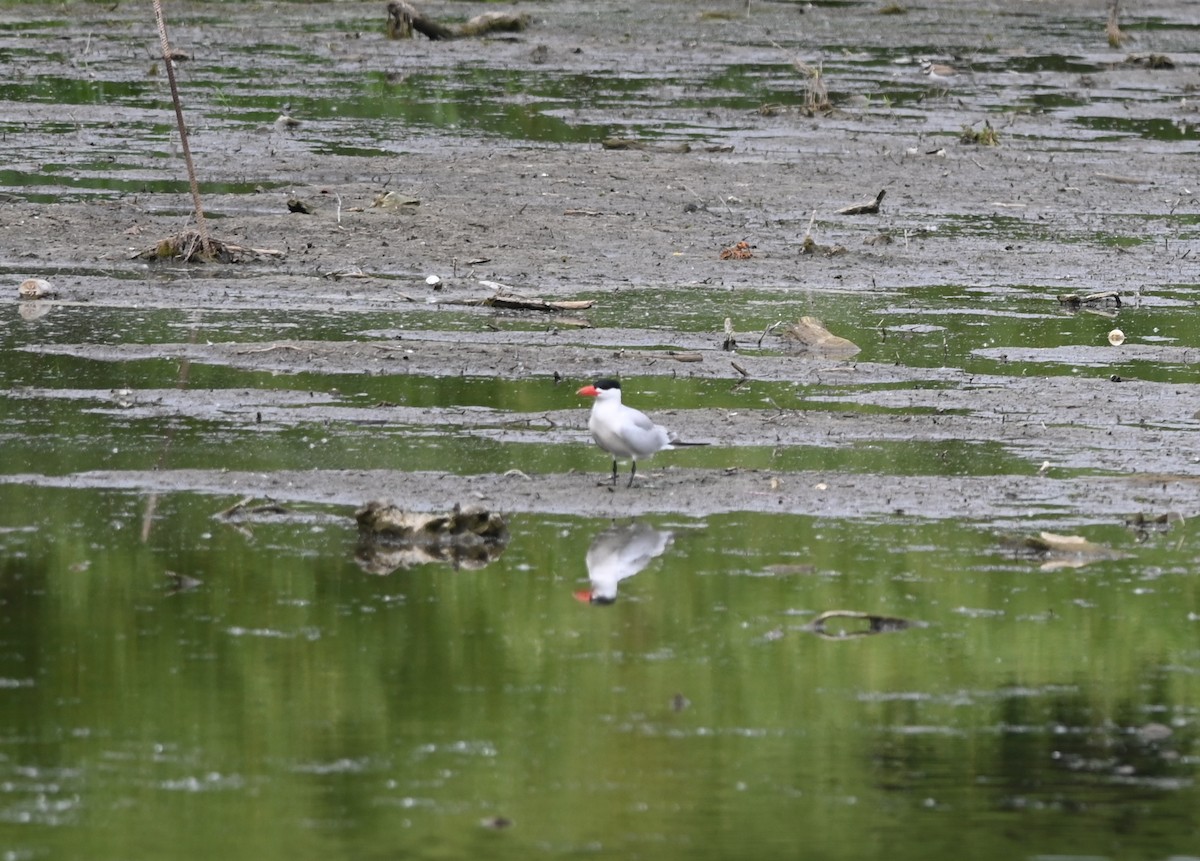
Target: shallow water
[290,704]
[281,702]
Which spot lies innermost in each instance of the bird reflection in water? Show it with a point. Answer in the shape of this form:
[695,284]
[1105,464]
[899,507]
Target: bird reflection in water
[617,553]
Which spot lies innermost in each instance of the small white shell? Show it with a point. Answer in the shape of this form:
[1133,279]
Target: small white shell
[36,288]
[1116,337]
[433,280]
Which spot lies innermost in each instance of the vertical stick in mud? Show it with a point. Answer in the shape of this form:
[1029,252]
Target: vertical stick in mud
[201,227]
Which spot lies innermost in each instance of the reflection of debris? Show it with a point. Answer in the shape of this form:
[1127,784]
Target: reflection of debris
[870,207]
[403,18]
[181,583]
[809,334]
[679,703]
[390,538]
[1145,524]
[242,513]
[617,553]
[242,508]
[875,624]
[1063,551]
[30,311]
[496,823]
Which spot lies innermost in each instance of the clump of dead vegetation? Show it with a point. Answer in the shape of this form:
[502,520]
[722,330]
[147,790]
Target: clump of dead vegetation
[986,136]
[1112,29]
[194,246]
[191,245]
[816,95]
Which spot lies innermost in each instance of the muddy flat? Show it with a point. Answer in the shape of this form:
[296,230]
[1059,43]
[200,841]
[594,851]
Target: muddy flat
[438,175]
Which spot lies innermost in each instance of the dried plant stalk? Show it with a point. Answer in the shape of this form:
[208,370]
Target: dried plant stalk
[168,64]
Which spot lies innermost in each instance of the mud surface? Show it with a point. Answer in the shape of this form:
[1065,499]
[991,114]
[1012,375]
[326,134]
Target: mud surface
[1066,203]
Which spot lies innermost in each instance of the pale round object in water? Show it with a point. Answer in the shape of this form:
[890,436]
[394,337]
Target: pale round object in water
[1116,337]
[433,281]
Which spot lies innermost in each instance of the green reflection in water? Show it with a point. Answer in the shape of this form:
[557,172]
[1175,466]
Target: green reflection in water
[1150,129]
[291,706]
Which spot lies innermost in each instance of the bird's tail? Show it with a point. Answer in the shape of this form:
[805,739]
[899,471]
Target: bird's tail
[679,443]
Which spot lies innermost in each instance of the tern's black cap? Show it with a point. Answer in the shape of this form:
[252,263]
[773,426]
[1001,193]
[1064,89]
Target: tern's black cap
[607,383]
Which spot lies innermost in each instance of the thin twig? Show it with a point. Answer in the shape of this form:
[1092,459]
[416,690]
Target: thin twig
[201,227]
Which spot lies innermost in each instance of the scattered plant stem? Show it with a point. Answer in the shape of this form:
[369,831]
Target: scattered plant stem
[168,64]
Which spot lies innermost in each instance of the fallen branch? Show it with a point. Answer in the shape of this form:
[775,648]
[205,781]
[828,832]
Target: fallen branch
[629,143]
[403,18]
[504,298]
[1075,300]
[870,207]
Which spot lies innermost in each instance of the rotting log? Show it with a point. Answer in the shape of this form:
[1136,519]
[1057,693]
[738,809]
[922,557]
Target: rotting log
[403,18]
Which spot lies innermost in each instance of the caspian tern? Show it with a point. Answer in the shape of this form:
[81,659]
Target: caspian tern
[619,552]
[623,432]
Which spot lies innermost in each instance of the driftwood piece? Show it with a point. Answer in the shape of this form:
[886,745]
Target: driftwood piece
[869,207]
[390,538]
[645,146]
[1104,297]
[403,18]
[505,298]
[521,303]
[810,334]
